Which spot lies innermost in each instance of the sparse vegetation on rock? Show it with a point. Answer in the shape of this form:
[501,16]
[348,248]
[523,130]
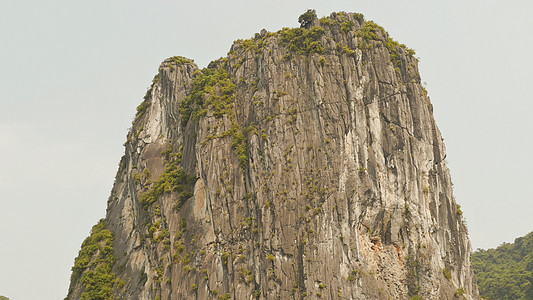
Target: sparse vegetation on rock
[305,163]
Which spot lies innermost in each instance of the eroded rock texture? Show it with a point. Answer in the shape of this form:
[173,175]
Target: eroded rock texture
[305,164]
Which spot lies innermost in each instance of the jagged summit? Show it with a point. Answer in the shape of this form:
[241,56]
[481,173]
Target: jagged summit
[304,164]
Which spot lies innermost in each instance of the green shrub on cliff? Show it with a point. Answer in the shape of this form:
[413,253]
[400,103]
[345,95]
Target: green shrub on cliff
[212,88]
[174,179]
[303,40]
[180,60]
[306,18]
[94,263]
[373,32]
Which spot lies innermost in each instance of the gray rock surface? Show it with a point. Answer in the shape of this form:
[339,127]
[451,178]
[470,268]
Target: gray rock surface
[312,170]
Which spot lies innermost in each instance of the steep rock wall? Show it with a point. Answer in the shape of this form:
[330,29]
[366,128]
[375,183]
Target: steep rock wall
[306,163]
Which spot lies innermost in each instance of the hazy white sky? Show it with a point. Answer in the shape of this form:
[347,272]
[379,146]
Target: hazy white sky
[73,72]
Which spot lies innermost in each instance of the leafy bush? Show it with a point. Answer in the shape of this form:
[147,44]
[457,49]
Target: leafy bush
[359,17]
[347,26]
[174,179]
[211,87]
[180,60]
[142,108]
[447,273]
[94,263]
[303,40]
[326,21]
[347,50]
[371,31]
[306,18]
[459,211]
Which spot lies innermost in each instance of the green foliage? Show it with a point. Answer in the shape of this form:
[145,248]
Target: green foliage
[254,44]
[447,273]
[211,87]
[225,256]
[326,21]
[141,109]
[303,40]
[359,17]
[459,211]
[156,79]
[94,263]
[162,234]
[347,50]
[350,277]
[182,197]
[239,143]
[392,46]
[394,50]
[249,45]
[347,26]
[306,18]
[353,275]
[180,60]
[507,271]
[369,31]
[369,35]
[174,179]
[226,296]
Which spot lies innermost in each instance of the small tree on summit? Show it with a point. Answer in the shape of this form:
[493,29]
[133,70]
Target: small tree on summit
[306,18]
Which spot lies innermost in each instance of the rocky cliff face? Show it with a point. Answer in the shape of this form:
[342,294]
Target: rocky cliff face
[306,163]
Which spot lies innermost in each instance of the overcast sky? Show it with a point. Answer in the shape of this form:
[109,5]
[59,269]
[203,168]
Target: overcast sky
[72,73]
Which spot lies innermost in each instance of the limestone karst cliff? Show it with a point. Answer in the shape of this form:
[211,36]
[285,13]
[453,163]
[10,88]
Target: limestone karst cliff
[305,164]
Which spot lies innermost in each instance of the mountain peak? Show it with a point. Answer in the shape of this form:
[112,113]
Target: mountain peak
[305,163]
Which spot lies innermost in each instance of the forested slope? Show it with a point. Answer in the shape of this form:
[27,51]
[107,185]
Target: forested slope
[507,271]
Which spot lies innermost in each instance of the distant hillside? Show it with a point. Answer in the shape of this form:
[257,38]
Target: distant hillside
[507,271]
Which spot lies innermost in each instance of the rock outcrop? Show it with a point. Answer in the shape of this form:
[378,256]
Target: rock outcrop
[305,164]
